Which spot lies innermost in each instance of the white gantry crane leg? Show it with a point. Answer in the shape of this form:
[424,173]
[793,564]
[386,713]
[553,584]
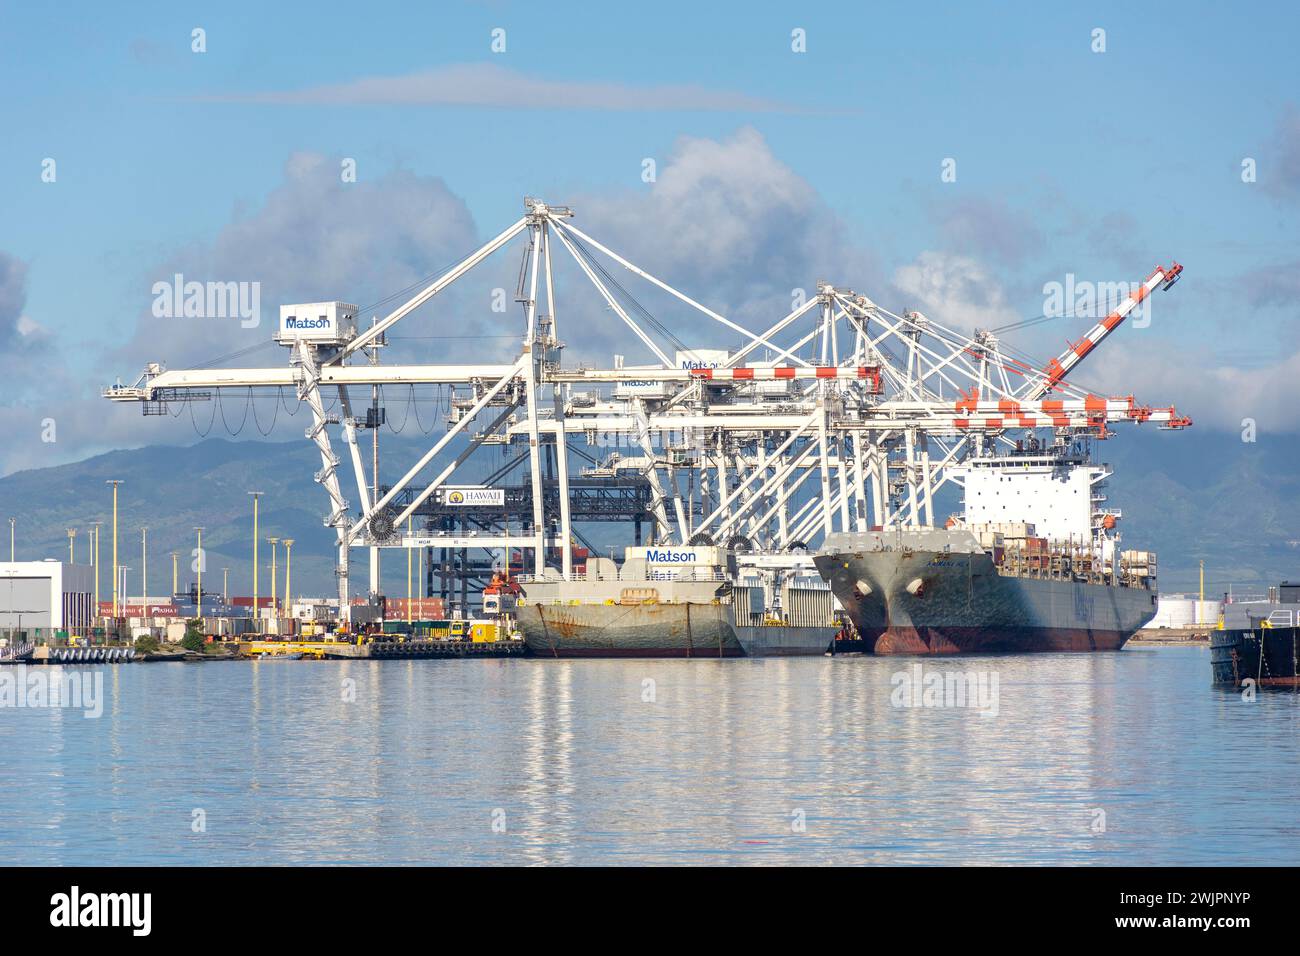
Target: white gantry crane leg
[783,517]
[927,482]
[535,353]
[909,471]
[859,484]
[720,472]
[561,444]
[304,355]
[679,508]
[663,531]
[841,467]
[354,452]
[823,413]
[882,487]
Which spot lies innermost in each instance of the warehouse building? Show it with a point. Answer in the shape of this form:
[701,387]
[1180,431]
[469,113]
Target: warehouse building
[41,600]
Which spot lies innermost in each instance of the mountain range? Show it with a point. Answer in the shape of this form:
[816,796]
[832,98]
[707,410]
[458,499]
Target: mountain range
[1191,496]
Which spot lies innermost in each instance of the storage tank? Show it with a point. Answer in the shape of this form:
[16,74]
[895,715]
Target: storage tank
[1208,612]
[1175,610]
[1182,610]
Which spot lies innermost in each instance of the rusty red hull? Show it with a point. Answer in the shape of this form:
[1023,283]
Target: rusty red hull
[976,640]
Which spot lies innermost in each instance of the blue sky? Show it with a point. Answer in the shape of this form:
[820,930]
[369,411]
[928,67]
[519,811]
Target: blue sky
[1101,164]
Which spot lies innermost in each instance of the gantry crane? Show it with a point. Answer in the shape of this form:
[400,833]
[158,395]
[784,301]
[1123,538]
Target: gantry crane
[728,440]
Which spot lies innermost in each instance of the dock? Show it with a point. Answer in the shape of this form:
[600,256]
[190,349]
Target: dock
[1173,635]
[390,650]
[382,650]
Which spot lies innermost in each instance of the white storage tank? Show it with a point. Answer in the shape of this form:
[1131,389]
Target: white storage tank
[1183,610]
[1174,610]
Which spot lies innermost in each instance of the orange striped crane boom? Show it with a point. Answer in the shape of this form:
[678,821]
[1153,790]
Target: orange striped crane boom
[1061,366]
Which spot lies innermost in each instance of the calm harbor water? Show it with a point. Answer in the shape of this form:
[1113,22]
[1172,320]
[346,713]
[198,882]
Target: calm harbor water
[544,761]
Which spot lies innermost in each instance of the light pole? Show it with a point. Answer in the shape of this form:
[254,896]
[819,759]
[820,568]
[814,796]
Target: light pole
[1201,602]
[256,613]
[288,567]
[272,542]
[96,563]
[12,519]
[144,567]
[72,554]
[198,594]
[114,482]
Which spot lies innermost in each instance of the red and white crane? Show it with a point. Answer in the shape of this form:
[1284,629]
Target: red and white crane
[1061,366]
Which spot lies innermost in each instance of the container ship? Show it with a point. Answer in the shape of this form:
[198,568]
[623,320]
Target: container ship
[1052,580]
[691,602]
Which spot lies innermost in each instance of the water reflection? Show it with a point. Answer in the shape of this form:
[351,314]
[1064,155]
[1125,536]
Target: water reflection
[655,761]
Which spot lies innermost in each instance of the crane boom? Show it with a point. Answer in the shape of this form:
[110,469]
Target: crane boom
[1061,366]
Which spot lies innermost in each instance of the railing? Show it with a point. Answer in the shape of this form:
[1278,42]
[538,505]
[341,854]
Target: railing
[13,652]
[665,577]
[91,655]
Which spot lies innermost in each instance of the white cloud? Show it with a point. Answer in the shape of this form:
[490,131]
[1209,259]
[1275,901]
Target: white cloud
[488,84]
[954,290]
[313,238]
[1214,395]
[13,295]
[729,224]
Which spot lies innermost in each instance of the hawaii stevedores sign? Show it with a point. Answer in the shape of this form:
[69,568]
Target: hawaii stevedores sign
[472,496]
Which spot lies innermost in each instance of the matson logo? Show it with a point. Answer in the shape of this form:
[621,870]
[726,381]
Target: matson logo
[655,556]
[295,323]
[103,909]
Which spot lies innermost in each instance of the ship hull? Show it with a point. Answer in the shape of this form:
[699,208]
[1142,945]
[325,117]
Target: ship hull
[782,640]
[660,630]
[612,630]
[907,601]
[1267,656]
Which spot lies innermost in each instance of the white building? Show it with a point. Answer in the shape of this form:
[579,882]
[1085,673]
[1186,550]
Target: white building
[46,595]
